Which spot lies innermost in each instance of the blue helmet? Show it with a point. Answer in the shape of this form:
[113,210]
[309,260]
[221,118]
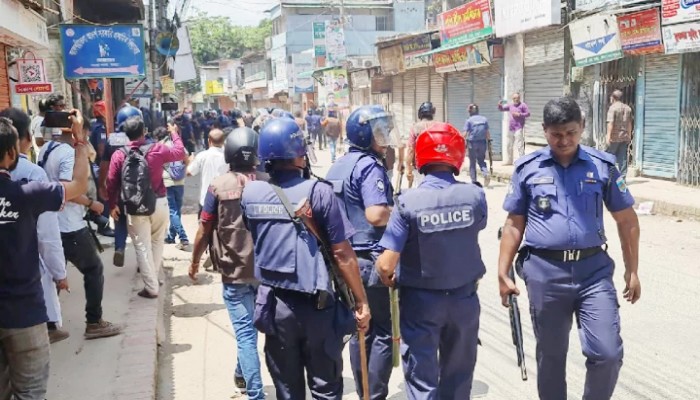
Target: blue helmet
[367,122]
[125,113]
[280,113]
[281,139]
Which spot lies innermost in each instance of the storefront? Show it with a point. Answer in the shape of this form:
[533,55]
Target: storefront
[544,76]
[23,28]
[481,84]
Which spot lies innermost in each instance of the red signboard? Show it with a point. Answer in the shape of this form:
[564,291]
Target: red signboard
[467,23]
[33,88]
[640,32]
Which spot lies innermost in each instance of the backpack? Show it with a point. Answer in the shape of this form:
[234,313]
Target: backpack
[176,170]
[137,191]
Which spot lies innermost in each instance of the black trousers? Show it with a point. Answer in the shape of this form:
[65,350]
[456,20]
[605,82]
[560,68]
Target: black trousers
[79,248]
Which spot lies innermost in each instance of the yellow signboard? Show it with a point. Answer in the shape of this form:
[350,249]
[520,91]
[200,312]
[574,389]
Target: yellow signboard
[168,84]
[213,87]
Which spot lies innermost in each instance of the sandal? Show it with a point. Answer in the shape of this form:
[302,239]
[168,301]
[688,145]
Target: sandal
[145,293]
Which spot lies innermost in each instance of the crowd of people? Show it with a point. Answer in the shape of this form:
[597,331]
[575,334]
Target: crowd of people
[306,261]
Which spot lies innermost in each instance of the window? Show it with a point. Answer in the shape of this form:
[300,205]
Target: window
[384,23]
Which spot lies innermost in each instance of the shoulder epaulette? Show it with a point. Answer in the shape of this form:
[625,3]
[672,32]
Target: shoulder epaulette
[526,159]
[601,155]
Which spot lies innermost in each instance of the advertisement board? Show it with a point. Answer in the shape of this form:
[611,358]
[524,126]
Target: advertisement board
[640,32]
[595,39]
[677,11]
[462,58]
[468,23]
[682,38]
[513,17]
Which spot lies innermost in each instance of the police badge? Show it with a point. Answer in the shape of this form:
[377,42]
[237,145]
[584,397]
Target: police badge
[543,204]
[380,185]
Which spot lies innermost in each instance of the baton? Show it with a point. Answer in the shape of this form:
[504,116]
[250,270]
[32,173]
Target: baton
[394,299]
[363,365]
[490,157]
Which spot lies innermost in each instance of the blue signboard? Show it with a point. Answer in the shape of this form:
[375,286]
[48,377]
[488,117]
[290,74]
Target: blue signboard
[93,51]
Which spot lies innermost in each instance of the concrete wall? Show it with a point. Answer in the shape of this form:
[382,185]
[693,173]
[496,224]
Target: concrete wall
[409,16]
[514,75]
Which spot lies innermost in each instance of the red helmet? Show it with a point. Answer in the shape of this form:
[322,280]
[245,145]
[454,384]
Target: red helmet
[440,143]
[99,109]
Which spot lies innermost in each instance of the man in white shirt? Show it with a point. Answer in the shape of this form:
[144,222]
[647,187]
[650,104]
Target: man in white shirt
[210,163]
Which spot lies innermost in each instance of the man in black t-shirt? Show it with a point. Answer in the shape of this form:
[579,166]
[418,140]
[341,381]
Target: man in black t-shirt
[24,341]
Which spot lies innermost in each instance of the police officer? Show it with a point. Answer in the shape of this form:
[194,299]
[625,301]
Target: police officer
[433,234]
[296,307]
[364,188]
[115,141]
[426,113]
[221,228]
[555,200]
[476,129]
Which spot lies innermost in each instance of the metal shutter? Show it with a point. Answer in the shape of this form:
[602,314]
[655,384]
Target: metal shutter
[396,107]
[4,80]
[488,89]
[661,115]
[459,95]
[544,76]
[409,103]
[437,94]
[422,87]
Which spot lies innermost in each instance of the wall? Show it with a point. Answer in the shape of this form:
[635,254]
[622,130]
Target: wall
[409,16]
[514,73]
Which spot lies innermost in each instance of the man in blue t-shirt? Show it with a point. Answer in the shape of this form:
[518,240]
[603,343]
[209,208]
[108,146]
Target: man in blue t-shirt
[24,340]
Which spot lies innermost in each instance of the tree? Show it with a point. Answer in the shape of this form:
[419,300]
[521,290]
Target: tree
[214,38]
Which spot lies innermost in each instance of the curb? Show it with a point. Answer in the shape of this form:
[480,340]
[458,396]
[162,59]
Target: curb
[137,367]
[660,207]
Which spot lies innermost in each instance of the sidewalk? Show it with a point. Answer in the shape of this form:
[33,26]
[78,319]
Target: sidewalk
[668,198]
[117,368]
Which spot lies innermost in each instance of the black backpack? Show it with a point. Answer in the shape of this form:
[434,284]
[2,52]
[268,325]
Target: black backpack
[137,192]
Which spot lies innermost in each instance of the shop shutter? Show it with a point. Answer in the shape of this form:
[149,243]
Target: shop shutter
[544,76]
[396,107]
[488,89]
[409,100]
[4,80]
[422,86]
[661,116]
[437,94]
[459,95]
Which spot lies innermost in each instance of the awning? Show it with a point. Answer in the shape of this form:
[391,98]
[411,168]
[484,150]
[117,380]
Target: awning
[442,48]
[313,72]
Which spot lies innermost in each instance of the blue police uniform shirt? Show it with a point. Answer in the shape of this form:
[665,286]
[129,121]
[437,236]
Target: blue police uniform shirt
[476,127]
[98,134]
[563,206]
[397,230]
[376,189]
[21,293]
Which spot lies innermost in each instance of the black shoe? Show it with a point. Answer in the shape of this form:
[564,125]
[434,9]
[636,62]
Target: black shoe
[108,232]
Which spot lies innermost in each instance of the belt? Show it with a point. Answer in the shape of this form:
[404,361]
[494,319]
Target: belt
[70,235]
[567,255]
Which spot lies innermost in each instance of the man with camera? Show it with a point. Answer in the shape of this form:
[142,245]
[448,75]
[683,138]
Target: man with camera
[57,158]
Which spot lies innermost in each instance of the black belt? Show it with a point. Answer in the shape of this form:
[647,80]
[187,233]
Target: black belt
[567,255]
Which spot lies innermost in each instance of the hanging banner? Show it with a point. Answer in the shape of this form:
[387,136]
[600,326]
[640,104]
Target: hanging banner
[595,39]
[302,62]
[336,53]
[416,45]
[683,38]
[319,39]
[640,33]
[513,17]
[337,92]
[462,58]
[675,11]
[466,24]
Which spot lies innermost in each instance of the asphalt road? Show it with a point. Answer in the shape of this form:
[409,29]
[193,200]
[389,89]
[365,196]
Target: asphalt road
[660,332]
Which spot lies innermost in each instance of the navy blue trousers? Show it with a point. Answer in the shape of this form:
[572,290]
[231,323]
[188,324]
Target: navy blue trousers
[305,341]
[558,291]
[439,338]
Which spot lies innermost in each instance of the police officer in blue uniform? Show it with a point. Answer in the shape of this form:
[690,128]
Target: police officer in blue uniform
[364,188]
[115,141]
[433,234]
[296,307]
[555,200]
[476,128]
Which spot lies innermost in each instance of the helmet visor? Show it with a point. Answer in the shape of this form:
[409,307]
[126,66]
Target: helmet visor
[381,130]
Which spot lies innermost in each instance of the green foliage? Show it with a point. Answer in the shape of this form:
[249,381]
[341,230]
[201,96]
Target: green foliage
[215,38]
